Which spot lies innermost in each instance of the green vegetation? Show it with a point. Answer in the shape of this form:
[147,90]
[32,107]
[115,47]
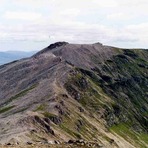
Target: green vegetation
[5,109]
[79,127]
[41,107]
[124,130]
[21,94]
[91,94]
[49,115]
[70,132]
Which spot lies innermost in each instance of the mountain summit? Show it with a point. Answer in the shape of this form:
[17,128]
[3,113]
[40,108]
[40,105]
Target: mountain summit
[68,92]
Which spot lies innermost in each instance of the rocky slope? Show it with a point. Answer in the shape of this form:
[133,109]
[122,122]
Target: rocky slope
[70,91]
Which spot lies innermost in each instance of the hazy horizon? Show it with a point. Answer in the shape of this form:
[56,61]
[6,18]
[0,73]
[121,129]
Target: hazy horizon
[31,25]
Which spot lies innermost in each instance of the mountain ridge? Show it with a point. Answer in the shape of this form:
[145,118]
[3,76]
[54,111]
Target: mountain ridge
[76,91]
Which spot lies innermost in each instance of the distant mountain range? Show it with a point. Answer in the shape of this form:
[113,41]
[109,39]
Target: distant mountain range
[9,56]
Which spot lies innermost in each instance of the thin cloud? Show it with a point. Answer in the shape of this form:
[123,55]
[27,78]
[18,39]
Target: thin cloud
[119,16]
[22,15]
[115,22]
[106,3]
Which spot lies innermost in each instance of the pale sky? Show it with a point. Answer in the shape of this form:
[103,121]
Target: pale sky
[34,24]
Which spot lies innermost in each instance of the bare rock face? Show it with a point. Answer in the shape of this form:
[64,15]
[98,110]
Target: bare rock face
[76,91]
[50,47]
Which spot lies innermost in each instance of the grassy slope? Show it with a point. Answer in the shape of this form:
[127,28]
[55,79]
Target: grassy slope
[124,79]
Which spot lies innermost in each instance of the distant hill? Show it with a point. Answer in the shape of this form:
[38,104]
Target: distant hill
[9,56]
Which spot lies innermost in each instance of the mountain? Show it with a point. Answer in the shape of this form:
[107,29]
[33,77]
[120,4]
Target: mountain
[9,56]
[68,92]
